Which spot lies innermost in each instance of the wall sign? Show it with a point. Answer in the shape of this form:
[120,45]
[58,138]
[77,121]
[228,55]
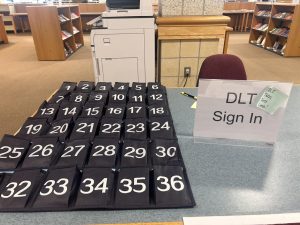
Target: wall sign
[242,110]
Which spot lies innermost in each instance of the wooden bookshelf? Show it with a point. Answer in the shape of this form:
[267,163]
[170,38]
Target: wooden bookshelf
[3,36]
[47,29]
[274,39]
[8,19]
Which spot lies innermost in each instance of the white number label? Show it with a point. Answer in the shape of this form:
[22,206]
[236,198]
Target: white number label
[47,111]
[163,152]
[70,149]
[60,190]
[34,129]
[59,129]
[8,152]
[98,97]
[11,188]
[135,109]
[102,88]
[111,128]
[116,111]
[138,87]
[118,97]
[135,128]
[154,87]
[175,183]
[78,98]
[159,110]
[93,111]
[59,98]
[135,153]
[138,98]
[69,111]
[45,151]
[157,126]
[122,87]
[85,86]
[137,182]
[90,187]
[108,150]
[156,97]
[85,125]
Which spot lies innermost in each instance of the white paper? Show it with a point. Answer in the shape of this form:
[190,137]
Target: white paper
[269,219]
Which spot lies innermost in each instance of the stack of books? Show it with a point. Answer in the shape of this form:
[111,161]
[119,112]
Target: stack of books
[65,34]
[260,41]
[261,27]
[74,16]
[281,31]
[278,48]
[62,18]
[68,49]
[75,30]
[283,15]
[264,13]
[78,45]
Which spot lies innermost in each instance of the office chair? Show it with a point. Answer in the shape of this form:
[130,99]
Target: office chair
[222,66]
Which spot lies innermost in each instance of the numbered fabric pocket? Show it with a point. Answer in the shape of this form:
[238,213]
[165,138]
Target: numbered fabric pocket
[68,86]
[159,110]
[118,97]
[104,153]
[33,127]
[74,154]
[157,97]
[136,129]
[69,110]
[12,151]
[172,189]
[59,97]
[136,97]
[165,152]
[136,110]
[134,153]
[110,128]
[121,86]
[132,188]
[43,151]
[58,190]
[85,86]
[96,189]
[139,87]
[47,111]
[92,109]
[61,129]
[103,86]
[78,97]
[18,189]
[98,97]
[162,128]
[116,111]
[85,128]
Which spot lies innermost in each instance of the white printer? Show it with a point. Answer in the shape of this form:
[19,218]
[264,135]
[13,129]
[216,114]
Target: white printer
[123,49]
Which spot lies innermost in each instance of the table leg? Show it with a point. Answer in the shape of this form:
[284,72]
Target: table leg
[247,22]
[242,22]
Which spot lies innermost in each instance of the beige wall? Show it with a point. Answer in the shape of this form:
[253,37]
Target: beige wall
[177,54]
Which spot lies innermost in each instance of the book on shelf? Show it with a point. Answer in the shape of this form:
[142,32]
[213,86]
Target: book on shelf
[68,48]
[283,15]
[74,16]
[75,30]
[65,34]
[263,13]
[62,18]
[281,31]
[258,41]
[78,45]
[261,27]
[283,49]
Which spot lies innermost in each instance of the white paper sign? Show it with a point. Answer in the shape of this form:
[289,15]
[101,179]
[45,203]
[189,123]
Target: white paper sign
[288,218]
[227,109]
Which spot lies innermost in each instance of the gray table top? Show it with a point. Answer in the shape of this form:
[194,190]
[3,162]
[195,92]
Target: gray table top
[226,180]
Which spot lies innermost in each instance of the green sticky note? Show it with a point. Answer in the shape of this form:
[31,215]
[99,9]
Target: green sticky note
[270,100]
